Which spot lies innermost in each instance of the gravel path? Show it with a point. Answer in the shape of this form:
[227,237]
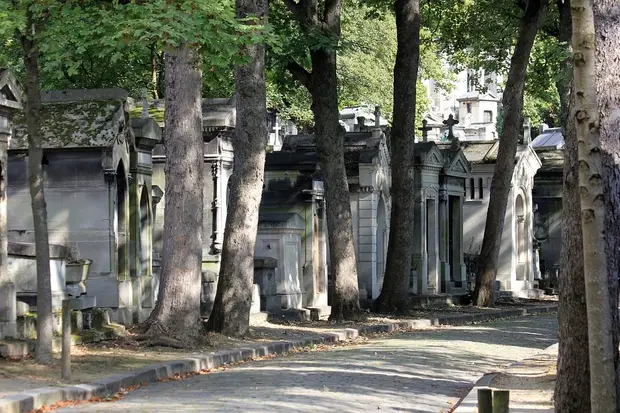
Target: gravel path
[424,371]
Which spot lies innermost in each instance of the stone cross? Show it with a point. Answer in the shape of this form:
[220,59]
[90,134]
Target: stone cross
[145,104]
[450,122]
[425,130]
[377,116]
[527,132]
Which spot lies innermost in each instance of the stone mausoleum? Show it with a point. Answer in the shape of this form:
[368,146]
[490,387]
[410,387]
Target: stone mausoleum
[97,169]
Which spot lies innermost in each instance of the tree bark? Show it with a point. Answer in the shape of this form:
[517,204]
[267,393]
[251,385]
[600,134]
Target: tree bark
[607,27]
[322,83]
[484,292]
[175,320]
[231,310]
[592,186]
[572,386]
[43,348]
[395,292]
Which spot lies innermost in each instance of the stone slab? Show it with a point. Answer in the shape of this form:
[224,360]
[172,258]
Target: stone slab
[36,398]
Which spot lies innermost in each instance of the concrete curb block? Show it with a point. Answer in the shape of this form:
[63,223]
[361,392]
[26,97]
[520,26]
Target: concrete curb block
[45,396]
[469,403]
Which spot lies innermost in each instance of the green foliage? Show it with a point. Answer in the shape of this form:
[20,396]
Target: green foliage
[366,56]
[481,34]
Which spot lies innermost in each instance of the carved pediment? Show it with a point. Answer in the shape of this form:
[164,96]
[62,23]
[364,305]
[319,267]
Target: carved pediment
[459,166]
[434,157]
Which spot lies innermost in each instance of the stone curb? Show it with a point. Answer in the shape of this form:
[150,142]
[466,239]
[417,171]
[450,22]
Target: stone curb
[45,396]
[469,403]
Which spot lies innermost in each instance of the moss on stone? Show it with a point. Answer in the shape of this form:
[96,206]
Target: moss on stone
[74,125]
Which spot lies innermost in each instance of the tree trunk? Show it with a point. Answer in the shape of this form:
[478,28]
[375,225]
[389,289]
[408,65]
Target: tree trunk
[591,184]
[43,347]
[395,292]
[607,26]
[572,386]
[231,310]
[330,147]
[175,320]
[322,84]
[484,293]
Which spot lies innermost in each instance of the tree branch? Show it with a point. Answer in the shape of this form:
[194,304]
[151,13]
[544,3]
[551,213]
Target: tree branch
[299,73]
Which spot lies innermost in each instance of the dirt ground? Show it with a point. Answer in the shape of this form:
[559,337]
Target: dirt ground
[98,360]
[531,384]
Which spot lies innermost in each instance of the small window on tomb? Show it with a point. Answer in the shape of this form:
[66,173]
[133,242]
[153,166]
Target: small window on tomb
[472,189]
[468,107]
[480,189]
[488,116]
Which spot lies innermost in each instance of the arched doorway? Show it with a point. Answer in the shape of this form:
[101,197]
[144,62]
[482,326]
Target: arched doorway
[120,222]
[144,237]
[381,245]
[520,238]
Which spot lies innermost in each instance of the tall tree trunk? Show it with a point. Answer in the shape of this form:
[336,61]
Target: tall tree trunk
[395,292]
[572,386]
[607,26]
[322,84]
[330,147]
[43,347]
[591,185]
[231,310]
[484,293]
[175,320]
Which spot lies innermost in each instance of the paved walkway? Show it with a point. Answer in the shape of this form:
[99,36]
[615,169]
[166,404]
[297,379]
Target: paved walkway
[412,372]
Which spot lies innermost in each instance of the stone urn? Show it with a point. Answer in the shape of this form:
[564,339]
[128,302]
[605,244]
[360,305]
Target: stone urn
[75,276]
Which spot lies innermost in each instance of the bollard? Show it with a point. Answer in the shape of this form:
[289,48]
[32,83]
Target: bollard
[501,401]
[485,401]
[66,340]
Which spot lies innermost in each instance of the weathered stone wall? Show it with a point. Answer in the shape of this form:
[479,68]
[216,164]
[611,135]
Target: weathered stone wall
[79,212]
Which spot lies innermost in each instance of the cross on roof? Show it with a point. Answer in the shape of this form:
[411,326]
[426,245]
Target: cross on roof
[145,104]
[450,122]
[425,130]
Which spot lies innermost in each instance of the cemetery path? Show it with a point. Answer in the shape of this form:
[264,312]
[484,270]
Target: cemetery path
[425,371]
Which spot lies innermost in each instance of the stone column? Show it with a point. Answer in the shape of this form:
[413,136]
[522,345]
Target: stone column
[367,247]
[216,246]
[419,258]
[8,304]
[432,247]
[444,263]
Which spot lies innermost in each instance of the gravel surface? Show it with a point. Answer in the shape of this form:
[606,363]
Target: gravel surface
[411,372]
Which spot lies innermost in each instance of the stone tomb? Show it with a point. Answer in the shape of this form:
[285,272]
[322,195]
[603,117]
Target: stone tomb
[440,176]
[11,101]
[368,172]
[516,271]
[97,166]
[292,231]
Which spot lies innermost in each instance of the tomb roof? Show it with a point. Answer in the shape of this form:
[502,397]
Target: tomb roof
[477,152]
[78,119]
[552,160]
[550,138]
[353,141]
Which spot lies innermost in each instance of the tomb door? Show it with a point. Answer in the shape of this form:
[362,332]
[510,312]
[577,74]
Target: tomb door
[381,244]
[520,238]
[120,218]
[432,245]
[144,236]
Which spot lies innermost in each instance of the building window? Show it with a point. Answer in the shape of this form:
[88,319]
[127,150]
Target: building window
[488,116]
[468,107]
[472,189]
[480,189]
